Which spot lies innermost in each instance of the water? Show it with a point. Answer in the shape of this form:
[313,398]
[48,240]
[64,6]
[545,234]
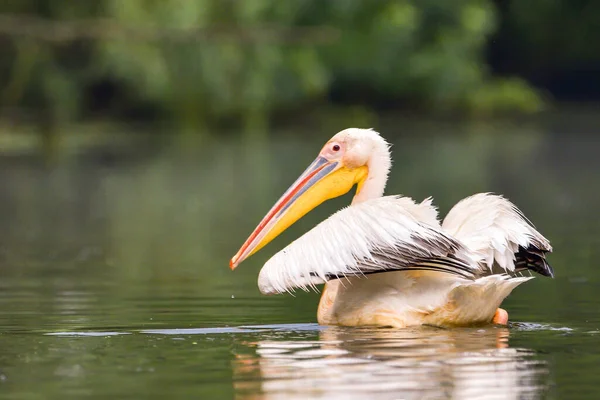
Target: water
[115,280]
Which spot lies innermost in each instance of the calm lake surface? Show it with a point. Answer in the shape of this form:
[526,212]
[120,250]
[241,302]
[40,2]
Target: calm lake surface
[115,279]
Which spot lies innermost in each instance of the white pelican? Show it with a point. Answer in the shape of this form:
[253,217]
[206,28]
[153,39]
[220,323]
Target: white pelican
[387,261]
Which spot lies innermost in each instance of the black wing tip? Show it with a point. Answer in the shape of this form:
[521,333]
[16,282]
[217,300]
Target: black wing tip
[546,270]
[542,268]
[534,260]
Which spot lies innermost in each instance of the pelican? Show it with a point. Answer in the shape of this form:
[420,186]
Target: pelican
[388,260]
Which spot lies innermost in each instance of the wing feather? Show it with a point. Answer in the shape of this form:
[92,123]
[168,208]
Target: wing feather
[498,233]
[379,235]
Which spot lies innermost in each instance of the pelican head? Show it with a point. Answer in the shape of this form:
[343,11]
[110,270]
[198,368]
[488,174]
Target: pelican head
[349,158]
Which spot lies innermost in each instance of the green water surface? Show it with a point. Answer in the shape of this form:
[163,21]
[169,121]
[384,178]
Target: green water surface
[115,280]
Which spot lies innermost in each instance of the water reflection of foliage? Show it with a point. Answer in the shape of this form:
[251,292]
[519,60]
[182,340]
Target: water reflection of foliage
[180,214]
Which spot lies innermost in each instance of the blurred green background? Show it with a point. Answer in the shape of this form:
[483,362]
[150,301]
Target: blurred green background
[149,136]
[242,66]
[141,141]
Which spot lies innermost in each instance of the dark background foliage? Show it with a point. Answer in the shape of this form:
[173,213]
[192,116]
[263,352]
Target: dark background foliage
[242,63]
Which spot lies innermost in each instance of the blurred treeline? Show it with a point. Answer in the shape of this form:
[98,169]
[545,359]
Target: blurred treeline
[199,63]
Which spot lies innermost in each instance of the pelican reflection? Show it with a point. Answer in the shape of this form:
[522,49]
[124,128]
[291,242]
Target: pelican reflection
[420,363]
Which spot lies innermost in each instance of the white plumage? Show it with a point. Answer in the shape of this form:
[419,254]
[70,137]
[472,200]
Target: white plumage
[351,241]
[493,228]
[388,260]
[480,231]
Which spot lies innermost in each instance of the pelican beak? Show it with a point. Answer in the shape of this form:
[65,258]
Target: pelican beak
[322,180]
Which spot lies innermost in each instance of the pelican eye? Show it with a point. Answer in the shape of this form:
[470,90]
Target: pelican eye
[336,147]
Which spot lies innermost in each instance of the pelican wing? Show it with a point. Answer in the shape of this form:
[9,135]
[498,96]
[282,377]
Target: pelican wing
[385,234]
[498,234]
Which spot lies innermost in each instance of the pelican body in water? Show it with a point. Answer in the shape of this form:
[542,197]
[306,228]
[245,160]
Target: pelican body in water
[389,261]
